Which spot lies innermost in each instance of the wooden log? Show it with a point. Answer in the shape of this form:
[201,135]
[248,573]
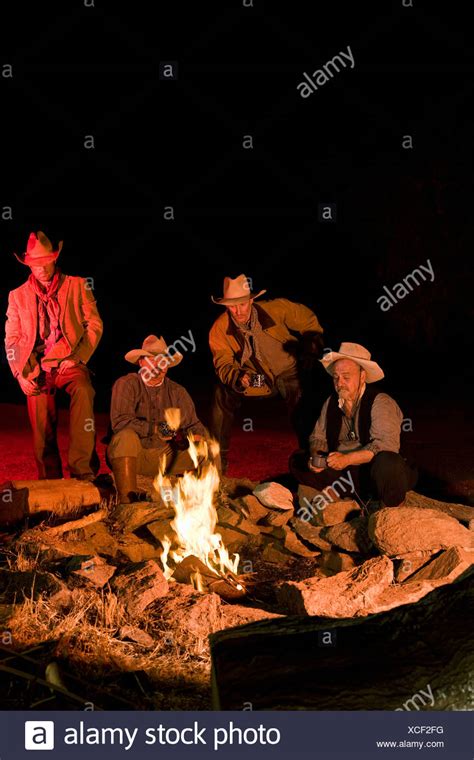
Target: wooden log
[377,663]
[62,497]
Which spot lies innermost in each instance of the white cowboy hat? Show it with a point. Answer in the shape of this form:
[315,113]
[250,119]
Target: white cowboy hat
[153,346]
[357,354]
[236,291]
[39,251]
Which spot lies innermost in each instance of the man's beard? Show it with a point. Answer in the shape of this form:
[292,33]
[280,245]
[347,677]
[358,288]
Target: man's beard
[344,398]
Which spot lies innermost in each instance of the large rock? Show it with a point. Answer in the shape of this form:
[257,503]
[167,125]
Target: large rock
[139,585]
[274,495]
[348,594]
[350,536]
[446,567]
[460,511]
[408,529]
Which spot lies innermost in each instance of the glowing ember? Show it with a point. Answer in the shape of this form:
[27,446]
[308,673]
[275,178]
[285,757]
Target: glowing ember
[195,515]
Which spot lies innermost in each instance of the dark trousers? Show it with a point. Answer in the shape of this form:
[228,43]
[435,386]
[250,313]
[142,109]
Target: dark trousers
[386,478]
[226,402]
[42,411]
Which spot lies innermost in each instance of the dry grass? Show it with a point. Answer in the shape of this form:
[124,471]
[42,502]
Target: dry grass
[86,634]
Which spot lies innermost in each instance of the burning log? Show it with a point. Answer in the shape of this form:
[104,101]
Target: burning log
[228,585]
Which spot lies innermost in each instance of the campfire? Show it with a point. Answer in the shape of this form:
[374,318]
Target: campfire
[147,586]
[196,553]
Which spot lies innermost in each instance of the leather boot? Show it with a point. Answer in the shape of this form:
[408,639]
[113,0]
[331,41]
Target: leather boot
[125,476]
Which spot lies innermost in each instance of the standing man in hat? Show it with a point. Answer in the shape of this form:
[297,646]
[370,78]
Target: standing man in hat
[52,329]
[142,437]
[254,352]
[357,433]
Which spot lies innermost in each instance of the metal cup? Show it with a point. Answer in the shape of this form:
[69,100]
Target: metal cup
[257,381]
[318,460]
[164,429]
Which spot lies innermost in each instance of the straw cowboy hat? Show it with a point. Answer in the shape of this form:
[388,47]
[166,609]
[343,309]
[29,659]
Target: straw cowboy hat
[357,354]
[39,251]
[153,346]
[236,291]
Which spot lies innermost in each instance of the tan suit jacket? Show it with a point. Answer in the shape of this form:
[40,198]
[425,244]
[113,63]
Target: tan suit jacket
[80,323]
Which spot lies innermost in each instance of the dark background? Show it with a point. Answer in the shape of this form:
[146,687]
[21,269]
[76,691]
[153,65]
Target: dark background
[81,71]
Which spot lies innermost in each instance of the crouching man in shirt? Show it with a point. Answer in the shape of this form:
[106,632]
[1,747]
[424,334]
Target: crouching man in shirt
[356,439]
[142,438]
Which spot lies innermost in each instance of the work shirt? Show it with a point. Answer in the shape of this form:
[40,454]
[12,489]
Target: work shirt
[385,424]
[141,407]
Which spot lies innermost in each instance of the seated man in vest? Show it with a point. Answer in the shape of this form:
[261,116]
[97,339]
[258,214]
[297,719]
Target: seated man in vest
[357,434]
[138,416]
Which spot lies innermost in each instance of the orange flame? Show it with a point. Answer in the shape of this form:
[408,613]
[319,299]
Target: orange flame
[195,514]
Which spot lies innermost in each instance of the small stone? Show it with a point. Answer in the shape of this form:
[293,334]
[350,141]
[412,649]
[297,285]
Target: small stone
[274,495]
[227,516]
[409,563]
[274,554]
[337,562]
[310,533]
[139,585]
[161,529]
[131,517]
[294,545]
[334,512]
[277,519]
[446,567]
[351,536]
[254,510]
[136,549]
[131,633]
[94,570]
[232,538]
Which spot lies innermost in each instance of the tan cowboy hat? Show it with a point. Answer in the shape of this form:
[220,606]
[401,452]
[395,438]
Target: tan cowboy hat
[153,346]
[39,251]
[357,354]
[236,291]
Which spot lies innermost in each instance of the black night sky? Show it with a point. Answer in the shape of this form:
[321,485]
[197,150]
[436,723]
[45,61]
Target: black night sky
[80,71]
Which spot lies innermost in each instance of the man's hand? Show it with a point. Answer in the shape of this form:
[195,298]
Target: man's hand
[338,461]
[66,364]
[29,387]
[244,380]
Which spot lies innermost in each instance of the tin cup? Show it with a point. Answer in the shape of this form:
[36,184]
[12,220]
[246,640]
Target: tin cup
[257,381]
[319,459]
[164,429]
